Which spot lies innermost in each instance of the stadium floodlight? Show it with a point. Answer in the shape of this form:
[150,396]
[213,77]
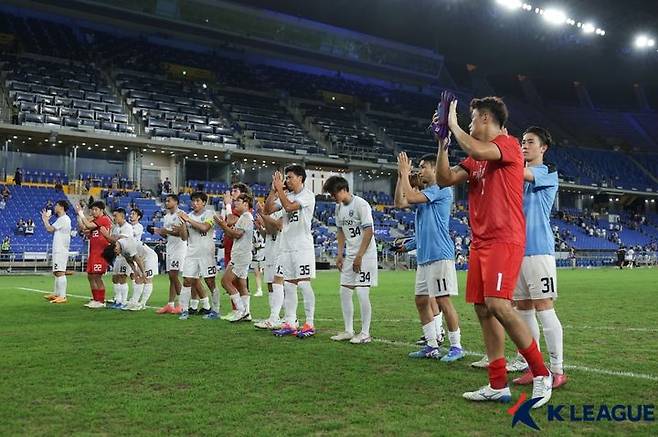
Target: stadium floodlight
[589,28]
[555,16]
[510,4]
[643,42]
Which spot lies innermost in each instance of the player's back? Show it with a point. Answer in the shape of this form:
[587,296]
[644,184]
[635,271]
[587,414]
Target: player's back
[433,242]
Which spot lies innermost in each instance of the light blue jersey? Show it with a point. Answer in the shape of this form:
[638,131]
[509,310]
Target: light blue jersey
[538,198]
[433,242]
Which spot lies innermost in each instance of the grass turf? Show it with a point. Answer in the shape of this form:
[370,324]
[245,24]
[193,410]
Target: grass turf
[70,370]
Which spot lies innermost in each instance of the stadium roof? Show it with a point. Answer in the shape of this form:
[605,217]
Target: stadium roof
[484,33]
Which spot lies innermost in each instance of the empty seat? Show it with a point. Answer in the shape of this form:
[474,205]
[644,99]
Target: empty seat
[71,122]
[120,118]
[103,116]
[51,119]
[97,107]
[189,136]
[117,109]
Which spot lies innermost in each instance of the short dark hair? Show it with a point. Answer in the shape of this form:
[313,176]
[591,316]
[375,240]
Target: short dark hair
[97,204]
[64,204]
[199,195]
[173,196]
[242,187]
[139,212]
[120,211]
[247,198]
[543,134]
[297,169]
[429,157]
[335,184]
[493,105]
[108,253]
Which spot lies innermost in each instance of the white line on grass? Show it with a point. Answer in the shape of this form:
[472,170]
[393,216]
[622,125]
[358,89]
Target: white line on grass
[467,352]
[465,322]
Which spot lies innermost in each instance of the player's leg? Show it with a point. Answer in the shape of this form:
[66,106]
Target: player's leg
[151,267]
[422,300]
[305,262]
[228,283]
[366,278]
[211,283]
[59,273]
[444,277]
[283,274]
[97,290]
[191,273]
[258,275]
[347,285]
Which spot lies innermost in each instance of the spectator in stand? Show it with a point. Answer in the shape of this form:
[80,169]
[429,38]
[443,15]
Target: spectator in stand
[58,185]
[18,176]
[160,188]
[20,227]
[29,227]
[166,185]
[6,195]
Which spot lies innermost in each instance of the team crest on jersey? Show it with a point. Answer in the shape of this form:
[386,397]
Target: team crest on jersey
[351,212]
[479,173]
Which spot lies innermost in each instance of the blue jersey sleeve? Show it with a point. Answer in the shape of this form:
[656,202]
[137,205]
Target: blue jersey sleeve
[544,177]
[434,193]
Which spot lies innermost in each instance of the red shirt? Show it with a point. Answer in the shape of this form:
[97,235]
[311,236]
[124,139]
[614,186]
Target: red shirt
[96,240]
[495,195]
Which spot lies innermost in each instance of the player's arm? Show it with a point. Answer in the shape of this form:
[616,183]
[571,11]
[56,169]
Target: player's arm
[476,149]
[340,238]
[272,225]
[232,232]
[528,175]
[367,232]
[136,261]
[400,201]
[270,200]
[84,223]
[447,176]
[46,222]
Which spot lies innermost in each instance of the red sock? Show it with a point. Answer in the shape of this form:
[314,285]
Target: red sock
[94,294]
[534,359]
[101,295]
[498,373]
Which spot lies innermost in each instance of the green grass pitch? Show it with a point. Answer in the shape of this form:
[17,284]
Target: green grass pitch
[70,370]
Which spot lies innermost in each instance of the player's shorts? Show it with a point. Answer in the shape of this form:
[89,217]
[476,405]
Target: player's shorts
[367,277]
[259,256]
[258,265]
[296,265]
[175,261]
[537,279]
[121,267]
[437,279]
[151,265]
[60,260]
[205,267]
[493,271]
[96,264]
[268,273]
[240,270]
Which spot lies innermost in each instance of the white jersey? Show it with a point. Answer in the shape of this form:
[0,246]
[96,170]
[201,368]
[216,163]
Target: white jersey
[125,230]
[131,248]
[62,234]
[199,244]
[138,230]
[296,233]
[242,247]
[174,244]
[272,241]
[352,219]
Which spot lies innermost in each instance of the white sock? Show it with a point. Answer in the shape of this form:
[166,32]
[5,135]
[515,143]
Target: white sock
[194,303]
[246,300]
[184,298]
[117,293]
[429,330]
[276,302]
[455,338]
[171,304]
[347,306]
[438,320]
[529,318]
[205,303]
[137,293]
[148,289]
[309,300]
[553,337]
[290,302]
[125,290]
[214,302]
[366,308]
[60,286]
[237,301]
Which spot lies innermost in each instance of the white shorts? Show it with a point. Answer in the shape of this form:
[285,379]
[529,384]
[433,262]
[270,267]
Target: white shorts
[367,277]
[205,267]
[121,267]
[437,279]
[296,265]
[60,260]
[240,270]
[175,261]
[537,278]
[268,273]
[258,265]
[151,266]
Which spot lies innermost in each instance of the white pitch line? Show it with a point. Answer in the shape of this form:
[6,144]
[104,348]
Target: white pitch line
[467,352]
[465,322]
